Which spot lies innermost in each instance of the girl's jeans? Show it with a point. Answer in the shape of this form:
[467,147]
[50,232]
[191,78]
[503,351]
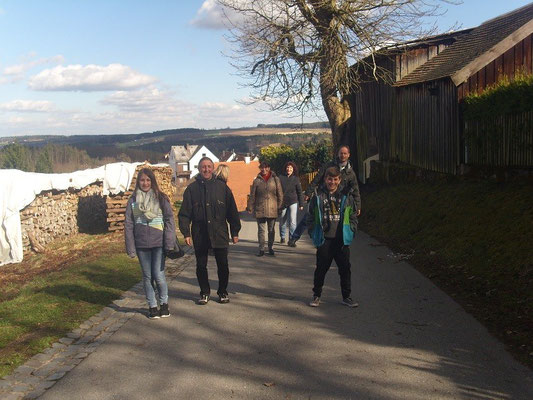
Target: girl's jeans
[153,269]
[289,214]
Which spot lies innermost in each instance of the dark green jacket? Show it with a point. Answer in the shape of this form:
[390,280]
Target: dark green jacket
[207,208]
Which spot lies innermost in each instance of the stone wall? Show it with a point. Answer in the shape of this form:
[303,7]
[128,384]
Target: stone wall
[57,214]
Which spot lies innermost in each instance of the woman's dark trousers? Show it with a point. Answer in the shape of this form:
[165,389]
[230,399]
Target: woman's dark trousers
[333,249]
[221,256]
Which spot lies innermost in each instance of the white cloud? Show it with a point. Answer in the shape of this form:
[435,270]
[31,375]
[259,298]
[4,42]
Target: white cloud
[16,72]
[212,16]
[143,110]
[27,106]
[90,78]
[149,99]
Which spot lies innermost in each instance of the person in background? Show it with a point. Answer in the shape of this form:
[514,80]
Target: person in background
[222,173]
[264,202]
[332,223]
[292,200]
[348,185]
[149,229]
[208,206]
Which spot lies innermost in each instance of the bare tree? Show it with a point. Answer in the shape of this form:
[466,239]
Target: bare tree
[290,51]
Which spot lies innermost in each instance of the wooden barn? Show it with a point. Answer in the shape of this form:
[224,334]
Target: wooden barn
[417,117]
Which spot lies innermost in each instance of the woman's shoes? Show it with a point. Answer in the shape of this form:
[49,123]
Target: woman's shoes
[260,254]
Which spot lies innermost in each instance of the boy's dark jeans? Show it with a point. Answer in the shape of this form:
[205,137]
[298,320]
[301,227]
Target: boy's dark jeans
[221,256]
[333,249]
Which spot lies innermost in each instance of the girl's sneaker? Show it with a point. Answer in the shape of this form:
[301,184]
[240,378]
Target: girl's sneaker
[153,313]
[163,312]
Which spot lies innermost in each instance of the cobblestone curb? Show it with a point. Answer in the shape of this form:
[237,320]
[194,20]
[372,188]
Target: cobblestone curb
[42,371]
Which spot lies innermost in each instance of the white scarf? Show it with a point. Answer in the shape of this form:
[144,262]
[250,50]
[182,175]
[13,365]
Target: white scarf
[148,203]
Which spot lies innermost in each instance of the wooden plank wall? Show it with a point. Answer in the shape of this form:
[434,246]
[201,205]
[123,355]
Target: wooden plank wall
[516,60]
[425,126]
[504,141]
[421,124]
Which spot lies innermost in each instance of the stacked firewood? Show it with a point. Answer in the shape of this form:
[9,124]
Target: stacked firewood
[116,205]
[55,214]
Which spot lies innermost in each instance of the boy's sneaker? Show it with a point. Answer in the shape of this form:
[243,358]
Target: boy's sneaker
[203,300]
[163,312]
[315,302]
[291,243]
[349,302]
[223,298]
[153,313]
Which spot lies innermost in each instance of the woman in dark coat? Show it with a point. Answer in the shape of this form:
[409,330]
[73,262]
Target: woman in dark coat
[292,200]
[266,197]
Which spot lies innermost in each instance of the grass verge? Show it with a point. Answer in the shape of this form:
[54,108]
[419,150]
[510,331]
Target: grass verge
[50,294]
[473,239]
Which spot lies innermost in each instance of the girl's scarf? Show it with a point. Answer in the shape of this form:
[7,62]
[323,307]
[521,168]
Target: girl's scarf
[148,203]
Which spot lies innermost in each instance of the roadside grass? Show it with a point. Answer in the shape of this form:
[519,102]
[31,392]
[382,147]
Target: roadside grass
[50,294]
[473,239]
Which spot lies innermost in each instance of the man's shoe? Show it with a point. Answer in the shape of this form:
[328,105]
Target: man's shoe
[260,254]
[315,302]
[163,311]
[291,243]
[282,240]
[223,298]
[204,299]
[153,313]
[271,252]
[349,302]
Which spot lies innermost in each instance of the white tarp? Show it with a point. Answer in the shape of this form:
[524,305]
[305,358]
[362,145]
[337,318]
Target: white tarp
[20,188]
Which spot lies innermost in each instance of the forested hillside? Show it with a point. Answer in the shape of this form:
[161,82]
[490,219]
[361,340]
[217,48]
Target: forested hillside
[70,153]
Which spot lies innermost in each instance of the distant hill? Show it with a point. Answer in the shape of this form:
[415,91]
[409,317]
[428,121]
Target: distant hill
[153,146]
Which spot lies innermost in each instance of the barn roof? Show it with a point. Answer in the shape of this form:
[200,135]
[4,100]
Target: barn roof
[475,49]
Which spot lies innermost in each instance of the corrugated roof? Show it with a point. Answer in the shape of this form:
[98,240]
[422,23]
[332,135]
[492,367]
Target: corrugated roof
[470,46]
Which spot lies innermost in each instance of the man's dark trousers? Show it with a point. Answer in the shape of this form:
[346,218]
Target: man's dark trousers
[221,256]
[333,249]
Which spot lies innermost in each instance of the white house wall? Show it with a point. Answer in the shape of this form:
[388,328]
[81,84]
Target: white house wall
[202,152]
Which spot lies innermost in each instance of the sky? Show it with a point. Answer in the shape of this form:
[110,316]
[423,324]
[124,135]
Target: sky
[132,66]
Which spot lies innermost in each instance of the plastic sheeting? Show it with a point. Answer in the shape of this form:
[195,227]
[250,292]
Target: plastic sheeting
[20,188]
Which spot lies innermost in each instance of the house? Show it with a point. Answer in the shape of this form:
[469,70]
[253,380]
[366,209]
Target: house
[184,160]
[418,117]
[229,156]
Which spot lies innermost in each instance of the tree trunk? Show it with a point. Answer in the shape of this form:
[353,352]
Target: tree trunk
[338,113]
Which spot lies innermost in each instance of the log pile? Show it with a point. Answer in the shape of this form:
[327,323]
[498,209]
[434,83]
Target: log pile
[54,214]
[116,205]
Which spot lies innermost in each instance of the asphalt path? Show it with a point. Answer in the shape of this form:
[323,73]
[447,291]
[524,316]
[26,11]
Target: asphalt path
[406,340]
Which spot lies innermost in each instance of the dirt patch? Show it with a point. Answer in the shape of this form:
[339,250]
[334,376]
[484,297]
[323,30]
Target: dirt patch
[58,256]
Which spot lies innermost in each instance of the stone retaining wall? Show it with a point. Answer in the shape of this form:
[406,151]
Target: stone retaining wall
[56,214]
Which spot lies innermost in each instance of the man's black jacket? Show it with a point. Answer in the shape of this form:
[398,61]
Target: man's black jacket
[209,205]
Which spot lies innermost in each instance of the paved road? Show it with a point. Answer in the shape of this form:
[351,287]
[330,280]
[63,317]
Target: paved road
[407,339]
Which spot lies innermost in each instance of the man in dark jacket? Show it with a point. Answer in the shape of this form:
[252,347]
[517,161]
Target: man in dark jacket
[208,205]
[348,185]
